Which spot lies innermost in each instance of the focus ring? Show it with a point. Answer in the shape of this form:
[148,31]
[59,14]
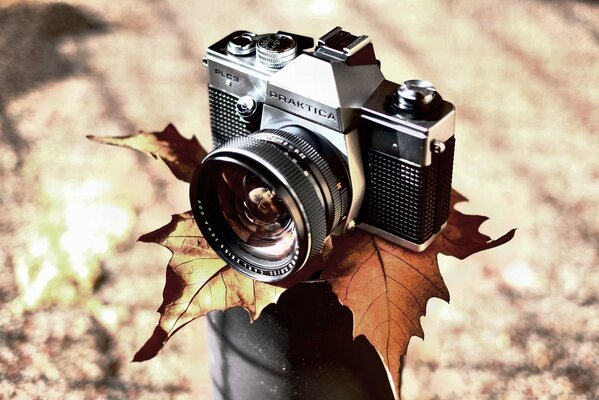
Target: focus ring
[320,163]
[303,190]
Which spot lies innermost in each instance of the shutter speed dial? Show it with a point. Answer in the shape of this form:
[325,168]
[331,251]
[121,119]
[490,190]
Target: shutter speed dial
[276,50]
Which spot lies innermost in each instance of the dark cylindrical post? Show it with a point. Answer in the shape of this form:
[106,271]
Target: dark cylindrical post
[301,348]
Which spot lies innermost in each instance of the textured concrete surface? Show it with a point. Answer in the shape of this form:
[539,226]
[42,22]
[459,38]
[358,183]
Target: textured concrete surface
[79,296]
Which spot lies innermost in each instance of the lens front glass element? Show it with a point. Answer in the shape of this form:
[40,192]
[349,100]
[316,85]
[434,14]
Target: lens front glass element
[256,214]
[266,202]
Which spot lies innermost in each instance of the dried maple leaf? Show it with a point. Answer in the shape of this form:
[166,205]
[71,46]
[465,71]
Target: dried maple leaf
[198,281]
[387,287]
[180,155]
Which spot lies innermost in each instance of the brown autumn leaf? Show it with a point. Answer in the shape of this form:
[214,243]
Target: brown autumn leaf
[198,281]
[180,155]
[387,287]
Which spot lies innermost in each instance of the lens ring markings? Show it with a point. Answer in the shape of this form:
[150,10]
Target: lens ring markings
[295,144]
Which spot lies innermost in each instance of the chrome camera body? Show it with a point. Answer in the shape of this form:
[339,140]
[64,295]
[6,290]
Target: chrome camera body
[314,141]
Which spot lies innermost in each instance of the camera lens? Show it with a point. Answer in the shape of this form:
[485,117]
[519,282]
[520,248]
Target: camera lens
[256,213]
[266,202]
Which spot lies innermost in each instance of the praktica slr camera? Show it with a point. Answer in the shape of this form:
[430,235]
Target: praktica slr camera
[312,141]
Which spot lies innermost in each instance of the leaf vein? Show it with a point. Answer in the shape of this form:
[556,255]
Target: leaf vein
[415,269]
[356,270]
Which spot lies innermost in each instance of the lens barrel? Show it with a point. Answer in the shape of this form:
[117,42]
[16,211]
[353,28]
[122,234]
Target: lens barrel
[266,202]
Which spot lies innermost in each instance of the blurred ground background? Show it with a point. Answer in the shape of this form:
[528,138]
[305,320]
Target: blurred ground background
[79,296]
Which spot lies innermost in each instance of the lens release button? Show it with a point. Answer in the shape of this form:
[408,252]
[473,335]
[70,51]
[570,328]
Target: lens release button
[245,107]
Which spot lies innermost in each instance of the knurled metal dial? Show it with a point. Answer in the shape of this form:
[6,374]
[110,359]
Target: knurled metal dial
[276,50]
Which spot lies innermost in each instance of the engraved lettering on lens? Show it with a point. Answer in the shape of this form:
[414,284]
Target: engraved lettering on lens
[304,106]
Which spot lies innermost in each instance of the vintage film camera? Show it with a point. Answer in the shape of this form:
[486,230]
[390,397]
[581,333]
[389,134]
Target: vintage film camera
[313,143]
